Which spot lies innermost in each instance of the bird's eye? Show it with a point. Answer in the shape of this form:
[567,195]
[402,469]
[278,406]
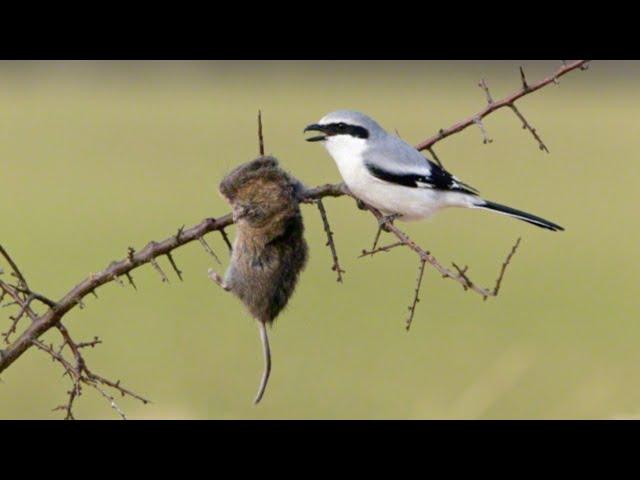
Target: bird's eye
[342,126]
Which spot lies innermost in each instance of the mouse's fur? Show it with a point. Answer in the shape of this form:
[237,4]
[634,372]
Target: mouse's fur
[269,250]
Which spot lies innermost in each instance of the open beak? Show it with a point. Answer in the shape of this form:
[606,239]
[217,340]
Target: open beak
[315,128]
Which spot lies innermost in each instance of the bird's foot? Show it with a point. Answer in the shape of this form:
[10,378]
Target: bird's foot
[383,223]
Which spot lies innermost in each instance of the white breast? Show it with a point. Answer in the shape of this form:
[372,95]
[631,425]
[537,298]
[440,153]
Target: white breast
[347,153]
[411,203]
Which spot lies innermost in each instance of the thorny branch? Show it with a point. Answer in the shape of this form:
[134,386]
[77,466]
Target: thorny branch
[425,256]
[76,369]
[19,294]
[508,101]
[23,297]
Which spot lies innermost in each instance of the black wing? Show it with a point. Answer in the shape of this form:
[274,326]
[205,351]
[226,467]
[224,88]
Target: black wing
[437,178]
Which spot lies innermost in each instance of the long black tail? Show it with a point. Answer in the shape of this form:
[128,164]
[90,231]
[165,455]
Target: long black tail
[524,216]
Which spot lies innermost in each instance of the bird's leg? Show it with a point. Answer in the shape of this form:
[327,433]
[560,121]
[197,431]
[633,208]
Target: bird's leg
[388,219]
[382,225]
[218,279]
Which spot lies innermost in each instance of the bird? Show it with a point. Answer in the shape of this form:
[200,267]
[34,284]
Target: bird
[392,176]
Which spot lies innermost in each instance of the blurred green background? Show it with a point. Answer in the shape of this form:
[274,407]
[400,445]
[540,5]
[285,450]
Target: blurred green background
[99,156]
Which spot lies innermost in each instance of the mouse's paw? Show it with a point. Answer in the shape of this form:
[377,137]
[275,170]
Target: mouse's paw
[213,275]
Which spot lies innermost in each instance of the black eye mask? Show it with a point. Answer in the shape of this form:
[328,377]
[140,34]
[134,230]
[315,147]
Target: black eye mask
[339,128]
[346,129]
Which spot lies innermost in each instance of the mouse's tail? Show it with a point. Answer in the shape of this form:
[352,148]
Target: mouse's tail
[267,361]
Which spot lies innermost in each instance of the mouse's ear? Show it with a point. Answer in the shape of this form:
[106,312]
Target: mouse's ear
[227,187]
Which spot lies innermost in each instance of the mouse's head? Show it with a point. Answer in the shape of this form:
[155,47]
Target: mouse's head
[260,192]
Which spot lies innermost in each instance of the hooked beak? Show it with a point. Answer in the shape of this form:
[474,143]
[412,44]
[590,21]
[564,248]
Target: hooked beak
[315,128]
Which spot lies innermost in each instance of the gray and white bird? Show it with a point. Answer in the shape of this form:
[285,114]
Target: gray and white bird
[389,174]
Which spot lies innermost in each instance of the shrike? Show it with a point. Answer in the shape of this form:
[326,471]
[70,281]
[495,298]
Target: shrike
[392,176]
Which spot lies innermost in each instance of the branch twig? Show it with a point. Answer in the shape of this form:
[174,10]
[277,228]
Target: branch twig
[416,299]
[260,137]
[74,297]
[330,243]
[458,276]
[504,266]
[508,101]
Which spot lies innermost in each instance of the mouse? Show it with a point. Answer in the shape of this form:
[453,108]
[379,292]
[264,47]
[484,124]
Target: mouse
[269,250]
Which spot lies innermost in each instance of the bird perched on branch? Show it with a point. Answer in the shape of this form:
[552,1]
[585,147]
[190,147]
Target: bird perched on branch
[269,250]
[392,176]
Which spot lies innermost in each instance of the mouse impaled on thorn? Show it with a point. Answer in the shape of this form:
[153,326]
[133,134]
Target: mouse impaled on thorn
[269,250]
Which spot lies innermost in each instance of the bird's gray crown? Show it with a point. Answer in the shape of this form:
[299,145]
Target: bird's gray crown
[353,118]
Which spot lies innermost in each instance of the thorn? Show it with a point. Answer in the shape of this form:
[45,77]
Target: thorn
[485,136]
[175,267]
[483,85]
[526,125]
[179,234]
[208,249]
[130,278]
[260,137]
[159,270]
[435,157]
[525,86]
[225,237]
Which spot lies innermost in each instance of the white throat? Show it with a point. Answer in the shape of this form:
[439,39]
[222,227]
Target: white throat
[347,152]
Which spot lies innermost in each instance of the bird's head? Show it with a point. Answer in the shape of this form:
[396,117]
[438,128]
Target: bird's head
[346,128]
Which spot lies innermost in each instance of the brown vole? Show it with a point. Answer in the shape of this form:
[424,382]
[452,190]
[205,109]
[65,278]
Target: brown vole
[269,250]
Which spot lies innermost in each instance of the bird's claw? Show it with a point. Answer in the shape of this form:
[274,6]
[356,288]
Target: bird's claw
[383,224]
[387,220]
